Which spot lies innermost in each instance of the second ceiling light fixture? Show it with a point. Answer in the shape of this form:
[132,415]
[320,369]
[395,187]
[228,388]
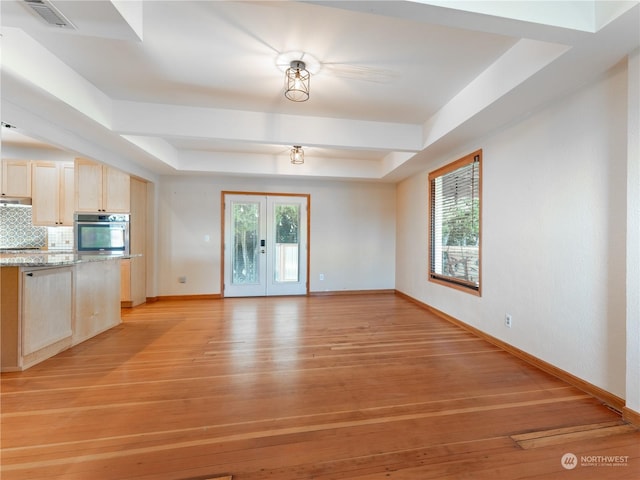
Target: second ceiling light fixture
[297,155]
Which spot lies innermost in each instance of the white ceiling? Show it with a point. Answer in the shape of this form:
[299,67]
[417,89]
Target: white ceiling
[162,87]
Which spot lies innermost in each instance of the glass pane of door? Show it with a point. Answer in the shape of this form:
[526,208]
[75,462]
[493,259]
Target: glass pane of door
[287,228]
[245,217]
[287,243]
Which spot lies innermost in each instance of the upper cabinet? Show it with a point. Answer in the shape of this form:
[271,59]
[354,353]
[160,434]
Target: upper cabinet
[16,178]
[53,193]
[116,190]
[100,188]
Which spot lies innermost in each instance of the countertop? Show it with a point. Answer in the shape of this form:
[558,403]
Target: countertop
[52,258]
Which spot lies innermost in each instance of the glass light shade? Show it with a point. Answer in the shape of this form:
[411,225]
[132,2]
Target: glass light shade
[296,82]
[297,155]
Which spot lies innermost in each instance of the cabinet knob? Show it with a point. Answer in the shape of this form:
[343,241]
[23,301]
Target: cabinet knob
[29,274]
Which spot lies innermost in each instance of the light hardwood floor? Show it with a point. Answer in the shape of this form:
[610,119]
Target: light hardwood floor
[356,387]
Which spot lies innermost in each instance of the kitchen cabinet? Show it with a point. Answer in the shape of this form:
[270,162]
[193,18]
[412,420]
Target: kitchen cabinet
[125,282]
[53,186]
[16,178]
[97,304]
[37,312]
[134,272]
[133,290]
[100,188]
[45,310]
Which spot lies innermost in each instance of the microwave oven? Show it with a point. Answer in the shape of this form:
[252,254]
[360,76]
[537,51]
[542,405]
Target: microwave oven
[102,233]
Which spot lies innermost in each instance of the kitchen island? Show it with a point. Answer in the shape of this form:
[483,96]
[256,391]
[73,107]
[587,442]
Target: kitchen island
[51,301]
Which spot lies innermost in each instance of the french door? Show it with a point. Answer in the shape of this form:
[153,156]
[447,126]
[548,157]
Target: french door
[265,245]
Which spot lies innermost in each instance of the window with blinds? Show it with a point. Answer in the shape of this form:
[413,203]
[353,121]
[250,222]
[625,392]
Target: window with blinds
[454,226]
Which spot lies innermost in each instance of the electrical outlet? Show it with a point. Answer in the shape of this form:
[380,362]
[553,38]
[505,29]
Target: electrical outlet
[182,279]
[321,276]
[508,321]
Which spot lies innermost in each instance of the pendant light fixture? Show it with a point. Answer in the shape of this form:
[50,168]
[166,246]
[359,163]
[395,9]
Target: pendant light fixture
[296,82]
[297,155]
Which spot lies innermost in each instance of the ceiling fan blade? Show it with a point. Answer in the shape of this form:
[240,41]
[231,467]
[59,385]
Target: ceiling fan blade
[360,72]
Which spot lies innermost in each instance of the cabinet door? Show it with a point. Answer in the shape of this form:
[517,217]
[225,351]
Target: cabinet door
[67,194]
[97,299]
[125,281]
[46,194]
[100,188]
[88,182]
[16,178]
[46,308]
[117,191]
[138,241]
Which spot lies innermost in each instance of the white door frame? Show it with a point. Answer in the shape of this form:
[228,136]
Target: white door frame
[306,234]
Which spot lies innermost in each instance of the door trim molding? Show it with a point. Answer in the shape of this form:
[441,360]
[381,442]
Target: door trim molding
[223,195]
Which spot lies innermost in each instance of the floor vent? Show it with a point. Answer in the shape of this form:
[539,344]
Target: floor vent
[561,436]
[50,14]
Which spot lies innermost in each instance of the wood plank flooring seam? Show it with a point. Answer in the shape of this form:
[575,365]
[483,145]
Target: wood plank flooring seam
[280,432]
[563,430]
[558,438]
[31,413]
[206,377]
[317,417]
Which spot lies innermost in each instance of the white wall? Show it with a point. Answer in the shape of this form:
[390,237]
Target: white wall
[633,234]
[352,239]
[553,225]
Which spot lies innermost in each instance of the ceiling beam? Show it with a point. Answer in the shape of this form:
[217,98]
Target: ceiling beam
[137,118]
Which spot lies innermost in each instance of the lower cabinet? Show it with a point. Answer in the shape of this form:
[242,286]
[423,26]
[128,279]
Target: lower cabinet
[47,310]
[132,281]
[44,311]
[97,299]
[125,282]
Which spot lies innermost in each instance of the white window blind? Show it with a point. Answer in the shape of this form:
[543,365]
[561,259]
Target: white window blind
[455,223]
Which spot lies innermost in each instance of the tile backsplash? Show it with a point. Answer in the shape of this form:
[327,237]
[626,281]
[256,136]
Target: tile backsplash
[60,238]
[16,229]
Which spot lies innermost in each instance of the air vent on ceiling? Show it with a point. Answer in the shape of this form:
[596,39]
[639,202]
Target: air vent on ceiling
[50,14]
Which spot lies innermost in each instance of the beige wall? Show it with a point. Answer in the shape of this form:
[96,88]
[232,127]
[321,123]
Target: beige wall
[352,239]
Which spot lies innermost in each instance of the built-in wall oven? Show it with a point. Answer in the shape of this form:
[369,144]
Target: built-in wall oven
[102,233]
